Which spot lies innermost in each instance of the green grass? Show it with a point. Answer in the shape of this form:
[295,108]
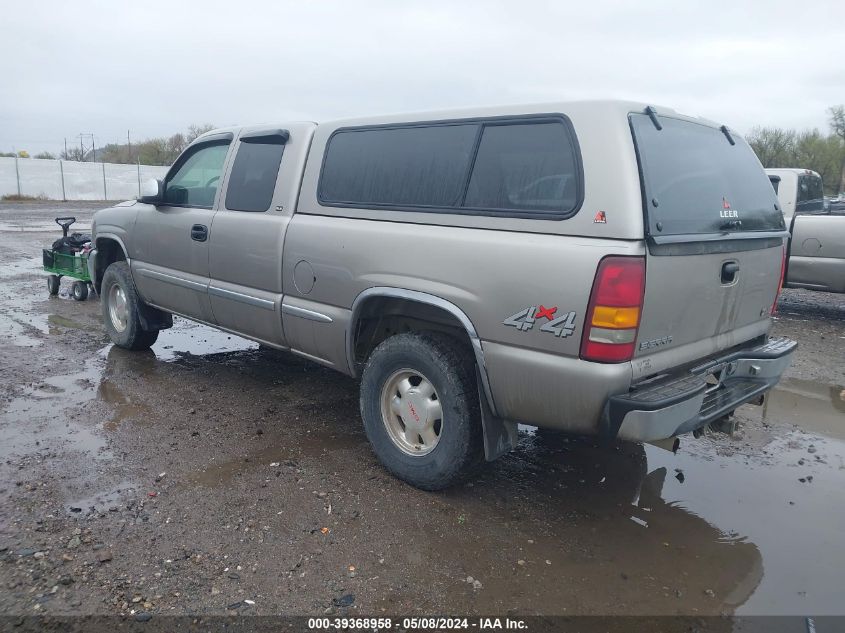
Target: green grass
[13,197]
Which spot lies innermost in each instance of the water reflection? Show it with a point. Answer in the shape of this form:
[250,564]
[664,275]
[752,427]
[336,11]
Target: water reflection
[811,405]
[565,518]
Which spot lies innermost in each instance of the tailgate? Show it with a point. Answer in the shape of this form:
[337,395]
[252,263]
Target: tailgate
[694,297]
[715,240]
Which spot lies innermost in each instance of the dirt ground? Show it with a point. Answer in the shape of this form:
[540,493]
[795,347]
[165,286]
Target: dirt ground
[208,476]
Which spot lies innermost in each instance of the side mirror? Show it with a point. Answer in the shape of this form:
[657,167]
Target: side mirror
[152,192]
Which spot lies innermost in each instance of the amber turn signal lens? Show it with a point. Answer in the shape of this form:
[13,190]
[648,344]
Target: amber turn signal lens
[616,318]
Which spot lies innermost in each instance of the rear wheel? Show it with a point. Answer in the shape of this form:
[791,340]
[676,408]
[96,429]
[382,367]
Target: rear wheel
[53,284]
[79,290]
[121,313]
[419,403]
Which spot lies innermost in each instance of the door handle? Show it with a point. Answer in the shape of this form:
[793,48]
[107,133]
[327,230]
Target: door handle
[729,271]
[199,232]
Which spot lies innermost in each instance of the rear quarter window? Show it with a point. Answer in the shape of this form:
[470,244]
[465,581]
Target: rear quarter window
[412,166]
[530,167]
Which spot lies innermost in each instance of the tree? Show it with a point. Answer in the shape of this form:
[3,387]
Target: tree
[7,154]
[837,124]
[823,154]
[153,151]
[45,156]
[73,153]
[773,146]
[809,149]
[195,131]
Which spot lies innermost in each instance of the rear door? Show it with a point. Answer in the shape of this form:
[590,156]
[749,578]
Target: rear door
[245,251]
[715,241]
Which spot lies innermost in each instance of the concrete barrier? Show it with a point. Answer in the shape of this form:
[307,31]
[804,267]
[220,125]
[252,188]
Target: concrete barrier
[72,180]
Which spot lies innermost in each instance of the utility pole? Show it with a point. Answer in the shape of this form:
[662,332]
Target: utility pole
[129,142]
[90,135]
[66,148]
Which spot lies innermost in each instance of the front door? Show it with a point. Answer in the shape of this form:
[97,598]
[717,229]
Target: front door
[171,264]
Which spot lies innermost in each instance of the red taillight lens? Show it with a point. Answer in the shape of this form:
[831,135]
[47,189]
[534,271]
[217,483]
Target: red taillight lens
[619,282]
[780,283]
[613,317]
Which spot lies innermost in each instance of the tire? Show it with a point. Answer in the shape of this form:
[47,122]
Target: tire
[79,290]
[125,332]
[444,453]
[53,285]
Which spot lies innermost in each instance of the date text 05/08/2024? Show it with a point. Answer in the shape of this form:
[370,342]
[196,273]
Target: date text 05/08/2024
[417,623]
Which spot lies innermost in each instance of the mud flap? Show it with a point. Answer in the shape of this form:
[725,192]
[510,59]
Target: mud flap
[500,435]
[152,319]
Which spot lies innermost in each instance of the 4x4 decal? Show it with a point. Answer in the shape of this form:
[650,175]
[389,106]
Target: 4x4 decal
[524,320]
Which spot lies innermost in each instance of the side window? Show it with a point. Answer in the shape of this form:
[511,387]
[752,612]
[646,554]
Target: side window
[195,181]
[525,167]
[254,173]
[809,188]
[412,166]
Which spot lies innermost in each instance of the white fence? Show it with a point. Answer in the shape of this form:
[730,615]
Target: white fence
[71,180]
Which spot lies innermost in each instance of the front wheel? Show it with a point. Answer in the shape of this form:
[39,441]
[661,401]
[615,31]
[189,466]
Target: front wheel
[121,314]
[419,403]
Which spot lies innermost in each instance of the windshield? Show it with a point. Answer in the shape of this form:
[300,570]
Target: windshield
[696,181]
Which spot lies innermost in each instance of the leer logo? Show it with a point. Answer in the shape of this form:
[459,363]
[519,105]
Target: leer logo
[726,211]
[601,218]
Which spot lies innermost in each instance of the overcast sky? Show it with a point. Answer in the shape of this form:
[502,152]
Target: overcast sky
[153,68]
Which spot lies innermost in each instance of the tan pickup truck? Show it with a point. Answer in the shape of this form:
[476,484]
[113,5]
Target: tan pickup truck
[605,268]
[816,258]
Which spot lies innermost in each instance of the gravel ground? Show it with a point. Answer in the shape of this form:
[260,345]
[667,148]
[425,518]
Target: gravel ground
[208,476]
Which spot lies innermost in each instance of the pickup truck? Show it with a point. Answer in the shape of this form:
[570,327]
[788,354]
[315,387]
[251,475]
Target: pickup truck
[816,254]
[604,268]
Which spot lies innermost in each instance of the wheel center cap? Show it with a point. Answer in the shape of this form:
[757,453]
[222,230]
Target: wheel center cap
[415,416]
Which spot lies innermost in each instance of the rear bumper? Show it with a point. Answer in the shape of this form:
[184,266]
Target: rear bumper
[678,404]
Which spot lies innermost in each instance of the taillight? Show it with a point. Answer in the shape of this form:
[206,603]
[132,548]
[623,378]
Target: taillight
[613,317]
[780,283]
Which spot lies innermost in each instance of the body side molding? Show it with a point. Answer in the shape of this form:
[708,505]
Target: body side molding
[304,313]
[257,302]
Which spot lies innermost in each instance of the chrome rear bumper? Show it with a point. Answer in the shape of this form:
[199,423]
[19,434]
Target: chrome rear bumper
[668,406]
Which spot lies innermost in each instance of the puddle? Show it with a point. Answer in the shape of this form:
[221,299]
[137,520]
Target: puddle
[56,321]
[20,267]
[810,405]
[21,324]
[39,416]
[123,407]
[103,500]
[187,338]
[796,526]
[660,533]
